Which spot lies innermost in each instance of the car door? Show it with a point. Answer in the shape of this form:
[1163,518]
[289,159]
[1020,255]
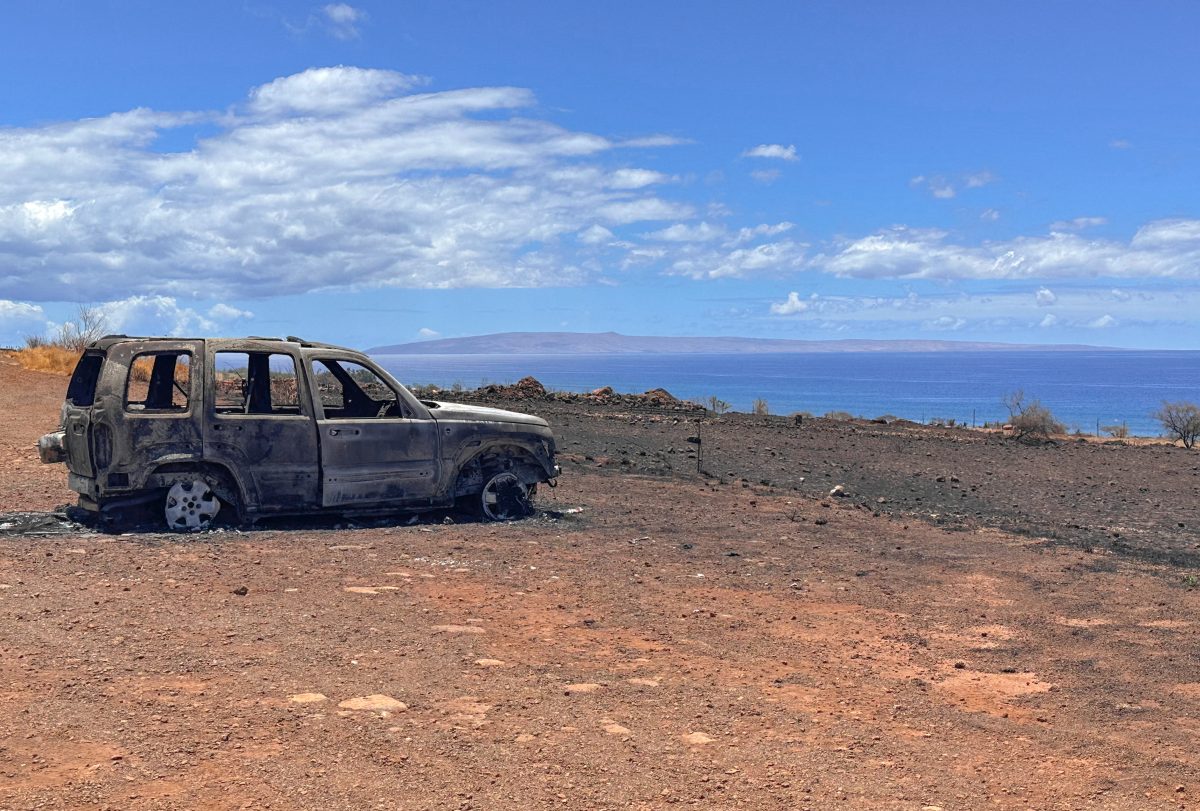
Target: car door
[379,446]
[260,423]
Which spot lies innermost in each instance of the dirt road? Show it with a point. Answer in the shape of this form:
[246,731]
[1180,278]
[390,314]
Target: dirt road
[648,641]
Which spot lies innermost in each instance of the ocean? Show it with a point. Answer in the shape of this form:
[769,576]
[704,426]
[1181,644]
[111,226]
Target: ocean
[1080,388]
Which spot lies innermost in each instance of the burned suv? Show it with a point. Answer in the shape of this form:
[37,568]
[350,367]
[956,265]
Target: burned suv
[262,426]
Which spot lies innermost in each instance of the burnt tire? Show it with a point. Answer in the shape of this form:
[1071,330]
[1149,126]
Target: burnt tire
[190,505]
[505,497]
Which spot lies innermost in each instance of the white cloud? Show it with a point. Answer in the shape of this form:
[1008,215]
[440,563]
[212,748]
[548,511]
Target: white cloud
[1162,249]
[426,332]
[685,232]
[20,318]
[154,315]
[946,322]
[791,306]
[1045,297]
[1008,310]
[328,90]
[937,185]
[989,215]
[343,20]
[944,188]
[979,179]
[596,235]
[776,151]
[765,176]
[331,178]
[1120,143]
[635,178]
[223,312]
[732,258]
[1077,224]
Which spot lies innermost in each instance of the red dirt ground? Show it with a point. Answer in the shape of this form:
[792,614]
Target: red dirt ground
[649,641]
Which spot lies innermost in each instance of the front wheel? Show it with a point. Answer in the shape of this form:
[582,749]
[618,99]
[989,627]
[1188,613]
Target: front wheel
[190,506]
[505,498]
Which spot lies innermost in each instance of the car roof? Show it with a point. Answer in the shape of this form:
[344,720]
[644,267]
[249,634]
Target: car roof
[111,340]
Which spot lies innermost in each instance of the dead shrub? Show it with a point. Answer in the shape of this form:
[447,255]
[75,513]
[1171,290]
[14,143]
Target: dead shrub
[1181,421]
[1030,420]
[59,354]
[48,358]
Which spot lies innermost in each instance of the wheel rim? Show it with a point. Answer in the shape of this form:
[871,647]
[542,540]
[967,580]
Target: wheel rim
[505,497]
[190,505]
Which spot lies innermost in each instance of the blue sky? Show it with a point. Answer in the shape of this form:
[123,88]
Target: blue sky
[372,173]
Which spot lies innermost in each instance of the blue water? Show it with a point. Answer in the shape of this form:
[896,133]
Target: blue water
[1078,387]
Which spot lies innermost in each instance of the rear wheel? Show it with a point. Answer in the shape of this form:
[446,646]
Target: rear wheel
[505,498]
[190,506]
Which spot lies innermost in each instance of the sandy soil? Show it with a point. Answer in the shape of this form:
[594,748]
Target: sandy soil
[651,639]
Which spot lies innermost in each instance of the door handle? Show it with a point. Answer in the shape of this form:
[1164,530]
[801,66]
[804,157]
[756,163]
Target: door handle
[335,431]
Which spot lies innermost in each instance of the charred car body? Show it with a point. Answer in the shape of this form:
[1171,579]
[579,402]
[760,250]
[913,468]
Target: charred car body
[264,426]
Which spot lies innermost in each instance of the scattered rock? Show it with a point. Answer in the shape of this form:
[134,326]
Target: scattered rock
[459,629]
[616,729]
[375,703]
[307,698]
[644,682]
[241,591]
[697,739]
[490,662]
[839,492]
[583,687]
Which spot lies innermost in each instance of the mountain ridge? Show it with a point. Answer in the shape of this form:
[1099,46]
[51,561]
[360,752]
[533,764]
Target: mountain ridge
[602,343]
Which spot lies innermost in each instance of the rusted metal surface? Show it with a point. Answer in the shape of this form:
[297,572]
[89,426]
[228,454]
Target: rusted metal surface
[278,426]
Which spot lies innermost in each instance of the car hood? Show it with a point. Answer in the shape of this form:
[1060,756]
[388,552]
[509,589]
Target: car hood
[458,411]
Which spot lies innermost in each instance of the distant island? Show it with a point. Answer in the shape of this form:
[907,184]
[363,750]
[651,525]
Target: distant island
[612,343]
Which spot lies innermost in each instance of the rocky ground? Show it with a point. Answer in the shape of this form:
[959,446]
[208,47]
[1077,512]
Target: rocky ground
[654,637]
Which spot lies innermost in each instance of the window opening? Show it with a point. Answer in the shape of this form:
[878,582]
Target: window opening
[82,389]
[351,391]
[159,381]
[256,383]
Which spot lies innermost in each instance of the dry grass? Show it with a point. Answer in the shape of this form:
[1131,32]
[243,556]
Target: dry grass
[48,358]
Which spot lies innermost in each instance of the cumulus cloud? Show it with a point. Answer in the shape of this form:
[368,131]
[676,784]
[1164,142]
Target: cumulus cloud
[1051,320]
[223,312]
[17,316]
[1103,322]
[328,91]
[426,332]
[793,305]
[1045,297]
[775,151]
[342,20]
[596,235]
[154,315]
[331,178]
[1162,249]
